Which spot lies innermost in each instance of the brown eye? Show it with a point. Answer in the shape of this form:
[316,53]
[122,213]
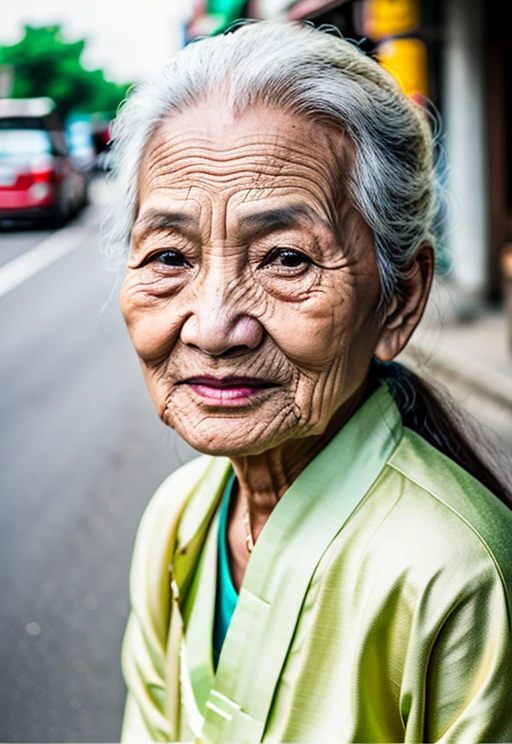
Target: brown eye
[287,258]
[170,257]
[291,259]
[287,273]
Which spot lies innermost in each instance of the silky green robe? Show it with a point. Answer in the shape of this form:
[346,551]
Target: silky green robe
[375,606]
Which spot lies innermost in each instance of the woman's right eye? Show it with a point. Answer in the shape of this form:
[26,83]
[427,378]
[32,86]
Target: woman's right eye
[169,257]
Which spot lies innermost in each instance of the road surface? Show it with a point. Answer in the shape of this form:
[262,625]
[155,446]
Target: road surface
[81,453]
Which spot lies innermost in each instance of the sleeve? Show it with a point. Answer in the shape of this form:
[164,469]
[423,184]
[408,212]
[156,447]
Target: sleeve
[468,688]
[150,649]
[134,727]
[142,665]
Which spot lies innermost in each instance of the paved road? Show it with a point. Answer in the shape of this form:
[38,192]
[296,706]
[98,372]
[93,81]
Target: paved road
[14,241]
[81,452]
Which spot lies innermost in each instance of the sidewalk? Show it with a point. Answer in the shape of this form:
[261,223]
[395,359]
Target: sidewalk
[474,351]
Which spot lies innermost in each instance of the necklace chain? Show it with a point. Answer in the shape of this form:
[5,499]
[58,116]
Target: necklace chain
[249,542]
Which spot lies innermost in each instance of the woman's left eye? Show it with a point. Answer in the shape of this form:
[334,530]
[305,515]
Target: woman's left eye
[287,258]
[170,257]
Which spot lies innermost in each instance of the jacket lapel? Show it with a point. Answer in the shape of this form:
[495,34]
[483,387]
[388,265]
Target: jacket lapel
[303,524]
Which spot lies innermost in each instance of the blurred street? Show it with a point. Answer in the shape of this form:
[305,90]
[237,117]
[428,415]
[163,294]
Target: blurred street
[81,447]
[82,451]
[18,241]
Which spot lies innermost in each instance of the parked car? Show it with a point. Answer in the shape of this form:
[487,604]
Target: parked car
[39,180]
[80,141]
[104,162]
[102,144]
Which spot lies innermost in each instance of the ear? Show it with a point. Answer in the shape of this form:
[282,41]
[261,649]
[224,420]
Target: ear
[406,308]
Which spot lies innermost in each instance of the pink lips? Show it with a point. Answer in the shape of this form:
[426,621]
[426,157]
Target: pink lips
[227,391]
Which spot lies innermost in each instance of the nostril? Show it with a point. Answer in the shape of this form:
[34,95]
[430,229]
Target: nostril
[218,336]
[232,351]
[248,332]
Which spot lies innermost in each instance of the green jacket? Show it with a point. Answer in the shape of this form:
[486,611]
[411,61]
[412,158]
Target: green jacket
[375,606]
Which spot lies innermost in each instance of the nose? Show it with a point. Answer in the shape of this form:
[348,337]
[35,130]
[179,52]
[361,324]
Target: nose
[217,324]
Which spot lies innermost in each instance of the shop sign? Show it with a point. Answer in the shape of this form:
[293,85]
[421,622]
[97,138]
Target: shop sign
[384,18]
[406,60]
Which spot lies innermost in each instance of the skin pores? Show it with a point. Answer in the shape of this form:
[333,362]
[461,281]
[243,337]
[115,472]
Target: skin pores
[252,284]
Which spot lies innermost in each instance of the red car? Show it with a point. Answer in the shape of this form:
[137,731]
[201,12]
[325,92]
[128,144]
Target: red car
[38,178]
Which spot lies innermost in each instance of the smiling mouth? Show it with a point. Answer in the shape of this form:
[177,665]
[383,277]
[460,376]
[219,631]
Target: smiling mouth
[227,391]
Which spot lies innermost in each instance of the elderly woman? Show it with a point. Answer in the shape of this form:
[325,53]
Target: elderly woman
[336,566]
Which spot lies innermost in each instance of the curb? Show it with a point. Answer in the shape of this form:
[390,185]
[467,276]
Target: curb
[486,380]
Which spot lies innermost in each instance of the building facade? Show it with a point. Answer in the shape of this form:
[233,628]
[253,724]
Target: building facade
[452,55]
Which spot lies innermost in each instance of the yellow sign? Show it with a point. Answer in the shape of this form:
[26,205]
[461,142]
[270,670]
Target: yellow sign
[384,18]
[406,60]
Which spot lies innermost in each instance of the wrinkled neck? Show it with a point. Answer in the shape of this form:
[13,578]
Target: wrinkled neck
[265,477]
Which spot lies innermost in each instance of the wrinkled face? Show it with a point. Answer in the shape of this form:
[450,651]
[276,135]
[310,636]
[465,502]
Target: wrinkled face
[252,284]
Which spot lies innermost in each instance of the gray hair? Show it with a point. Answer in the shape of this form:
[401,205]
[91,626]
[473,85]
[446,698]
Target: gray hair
[314,74]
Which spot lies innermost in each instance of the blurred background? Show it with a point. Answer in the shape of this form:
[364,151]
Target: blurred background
[81,447]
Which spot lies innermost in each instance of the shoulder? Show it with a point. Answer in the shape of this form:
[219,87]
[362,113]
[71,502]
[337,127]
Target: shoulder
[163,511]
[448,490]
[158,529]
[444,516]
[173,491]
[179,502]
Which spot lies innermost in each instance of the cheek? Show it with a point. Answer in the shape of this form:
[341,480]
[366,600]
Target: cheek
[153,323]
[311,334]
[329,339]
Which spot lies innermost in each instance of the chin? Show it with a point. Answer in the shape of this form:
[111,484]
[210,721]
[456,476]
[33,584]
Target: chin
[233,431]
[232,436]
[227,441]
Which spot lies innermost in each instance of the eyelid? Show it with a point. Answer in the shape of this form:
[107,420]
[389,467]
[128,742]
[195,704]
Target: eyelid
[157,237]
[276,250]
[156,254]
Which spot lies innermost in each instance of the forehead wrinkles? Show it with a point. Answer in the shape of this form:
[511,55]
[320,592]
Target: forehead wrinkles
[189,159]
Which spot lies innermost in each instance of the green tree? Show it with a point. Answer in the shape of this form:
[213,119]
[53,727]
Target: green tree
[45,64]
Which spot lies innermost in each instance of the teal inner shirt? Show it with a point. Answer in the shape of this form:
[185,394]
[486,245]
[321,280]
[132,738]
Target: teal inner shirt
[226,595]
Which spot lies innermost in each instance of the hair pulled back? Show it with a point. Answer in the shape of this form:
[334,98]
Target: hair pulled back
[307,71]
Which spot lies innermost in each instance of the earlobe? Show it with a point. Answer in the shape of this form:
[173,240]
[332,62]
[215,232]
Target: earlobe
[407,305]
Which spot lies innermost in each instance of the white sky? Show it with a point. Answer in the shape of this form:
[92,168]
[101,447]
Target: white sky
[128,40]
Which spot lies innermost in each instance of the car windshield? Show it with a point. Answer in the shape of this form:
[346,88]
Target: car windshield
[24,142]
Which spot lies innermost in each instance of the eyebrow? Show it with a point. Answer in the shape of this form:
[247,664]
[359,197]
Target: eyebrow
[281,218]
[255,224]
[155,219]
